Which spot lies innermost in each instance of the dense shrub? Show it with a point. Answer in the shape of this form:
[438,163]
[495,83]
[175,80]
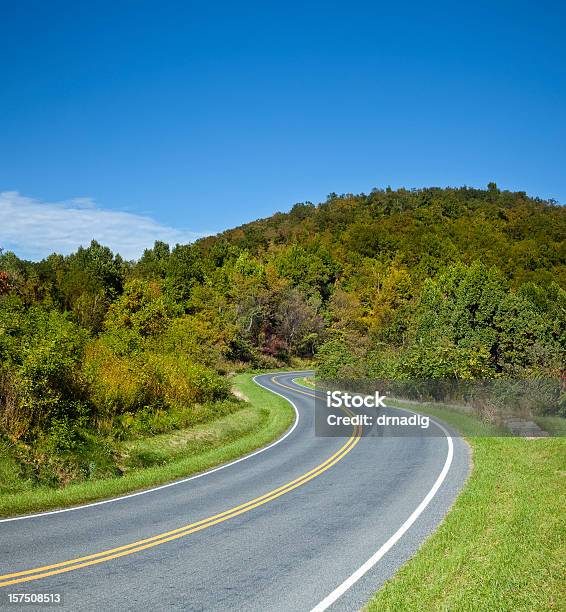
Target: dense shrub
[40,376]
[147,381]
[336,360]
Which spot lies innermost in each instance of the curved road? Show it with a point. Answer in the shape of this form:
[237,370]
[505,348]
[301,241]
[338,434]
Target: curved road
[308,522]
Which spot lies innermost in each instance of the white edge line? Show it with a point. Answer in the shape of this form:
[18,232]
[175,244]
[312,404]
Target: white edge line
[176,482]
[349,582]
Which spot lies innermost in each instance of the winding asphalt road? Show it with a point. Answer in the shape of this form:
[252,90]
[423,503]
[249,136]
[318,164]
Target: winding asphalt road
[308,522]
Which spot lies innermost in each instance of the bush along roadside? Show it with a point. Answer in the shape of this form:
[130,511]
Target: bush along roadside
[110,466]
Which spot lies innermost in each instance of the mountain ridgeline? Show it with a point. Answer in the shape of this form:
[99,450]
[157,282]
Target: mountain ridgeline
[431,283]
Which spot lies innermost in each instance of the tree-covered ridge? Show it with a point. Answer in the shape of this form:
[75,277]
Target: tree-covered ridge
[423,230]
[431,283]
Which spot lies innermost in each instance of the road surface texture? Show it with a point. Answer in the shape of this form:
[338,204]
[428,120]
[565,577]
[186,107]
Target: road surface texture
[309,522]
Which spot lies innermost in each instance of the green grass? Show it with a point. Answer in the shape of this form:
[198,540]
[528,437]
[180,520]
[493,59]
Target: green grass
[502,546]
[173,456]
[9,481]
[305,381]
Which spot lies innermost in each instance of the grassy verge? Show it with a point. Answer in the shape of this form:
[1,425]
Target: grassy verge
[305,381]
[502,545]
[175,455]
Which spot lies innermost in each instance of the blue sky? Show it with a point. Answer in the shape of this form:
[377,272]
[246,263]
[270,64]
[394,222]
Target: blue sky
[139,120]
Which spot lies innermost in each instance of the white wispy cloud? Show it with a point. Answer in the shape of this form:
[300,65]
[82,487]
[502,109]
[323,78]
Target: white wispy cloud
[34,229]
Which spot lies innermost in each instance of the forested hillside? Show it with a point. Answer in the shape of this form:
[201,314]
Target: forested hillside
[430,283]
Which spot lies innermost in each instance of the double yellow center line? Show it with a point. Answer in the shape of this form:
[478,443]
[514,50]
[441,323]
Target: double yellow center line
[129,549]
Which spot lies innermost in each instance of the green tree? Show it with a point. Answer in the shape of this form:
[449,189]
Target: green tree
[184,270]
[141,307]
[93,279]
[154,262]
